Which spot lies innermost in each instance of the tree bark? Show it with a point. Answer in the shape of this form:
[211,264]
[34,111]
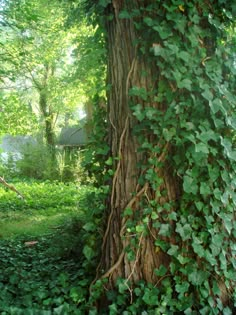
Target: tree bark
[127,68]
[48,121]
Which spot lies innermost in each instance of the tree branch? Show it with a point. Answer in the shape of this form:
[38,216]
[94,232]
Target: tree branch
[11,187]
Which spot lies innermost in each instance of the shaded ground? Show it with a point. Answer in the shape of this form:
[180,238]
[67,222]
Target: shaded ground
[42,256]
[36,279]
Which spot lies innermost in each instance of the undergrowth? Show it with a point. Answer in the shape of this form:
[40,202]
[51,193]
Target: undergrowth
[45,206]
[49,270]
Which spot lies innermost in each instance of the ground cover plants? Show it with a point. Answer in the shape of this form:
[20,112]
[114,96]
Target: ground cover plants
[48,243]
[45,205]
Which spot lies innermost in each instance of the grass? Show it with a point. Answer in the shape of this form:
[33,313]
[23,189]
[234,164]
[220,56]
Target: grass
[35,226]
[46,206]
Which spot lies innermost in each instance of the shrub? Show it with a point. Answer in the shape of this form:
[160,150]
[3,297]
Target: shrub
[35,161]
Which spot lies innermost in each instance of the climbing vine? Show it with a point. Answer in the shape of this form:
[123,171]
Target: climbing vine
[184,124]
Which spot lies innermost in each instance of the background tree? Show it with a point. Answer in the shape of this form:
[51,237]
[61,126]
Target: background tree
[39,63]
[170,113]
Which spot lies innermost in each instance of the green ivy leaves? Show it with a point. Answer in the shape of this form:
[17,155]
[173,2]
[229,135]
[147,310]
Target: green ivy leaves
[198,121]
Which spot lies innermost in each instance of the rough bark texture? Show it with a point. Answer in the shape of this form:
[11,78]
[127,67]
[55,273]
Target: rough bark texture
[125,70]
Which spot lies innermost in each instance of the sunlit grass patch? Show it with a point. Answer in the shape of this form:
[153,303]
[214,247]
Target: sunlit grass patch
[46,206]
[34,226]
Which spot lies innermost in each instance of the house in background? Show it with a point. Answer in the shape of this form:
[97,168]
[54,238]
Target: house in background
[74,137]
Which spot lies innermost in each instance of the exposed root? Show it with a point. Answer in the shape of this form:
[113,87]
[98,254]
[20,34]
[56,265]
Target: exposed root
[136,259]
[112,211]
[141,192]
[118,262]
[130,71]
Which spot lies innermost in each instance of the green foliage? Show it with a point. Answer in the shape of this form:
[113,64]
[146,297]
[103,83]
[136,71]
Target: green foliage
[191,111]
[198,122]
[71,166]
[35,162]
[46,204]
[95,158]
[32,282]
[36,56]
[50,275]
[16,115]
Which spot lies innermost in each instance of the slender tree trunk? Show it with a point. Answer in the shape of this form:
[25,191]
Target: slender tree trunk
[49,129]
[126,69]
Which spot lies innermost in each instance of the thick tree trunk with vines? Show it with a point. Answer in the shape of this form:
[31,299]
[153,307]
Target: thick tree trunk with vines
[127,69]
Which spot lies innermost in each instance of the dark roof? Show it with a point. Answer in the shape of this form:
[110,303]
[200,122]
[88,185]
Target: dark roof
[73,136]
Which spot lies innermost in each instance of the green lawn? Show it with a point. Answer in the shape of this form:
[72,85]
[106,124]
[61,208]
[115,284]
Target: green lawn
[45,207]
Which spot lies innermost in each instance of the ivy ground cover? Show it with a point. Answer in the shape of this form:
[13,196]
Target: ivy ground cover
[41,258]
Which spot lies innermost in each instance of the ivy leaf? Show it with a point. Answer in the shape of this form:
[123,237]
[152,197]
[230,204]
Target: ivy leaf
[223,261]
[185,84]
[104,3]
[197,247]
[214,172]
[199,205]
[201,147]
[90,227]
[183,260]
[205,189]
[190,185]
[88,252]
[128,211]
[122,287]
[184,231]
[163,32]
[182,288]
[207,94]
[184,56]
[226,143]
[228,221]
[138,112]
[217,193]
[216,105]
[210,258]
[140,228]
[208,135]
[169,133]
[140,92]
[154,216]
[161,271]
[109,161]
[197,277]
[157,50]
[165,230]
[149,21]
[227,311]
[124,15]
[173,216]
[173,250]
[162,244]
[231,121]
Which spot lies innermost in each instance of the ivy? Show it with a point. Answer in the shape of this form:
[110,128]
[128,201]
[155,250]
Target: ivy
[190,110]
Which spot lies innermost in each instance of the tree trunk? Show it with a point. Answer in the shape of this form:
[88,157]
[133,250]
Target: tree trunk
[132,256]
[49,129]
[168,107]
